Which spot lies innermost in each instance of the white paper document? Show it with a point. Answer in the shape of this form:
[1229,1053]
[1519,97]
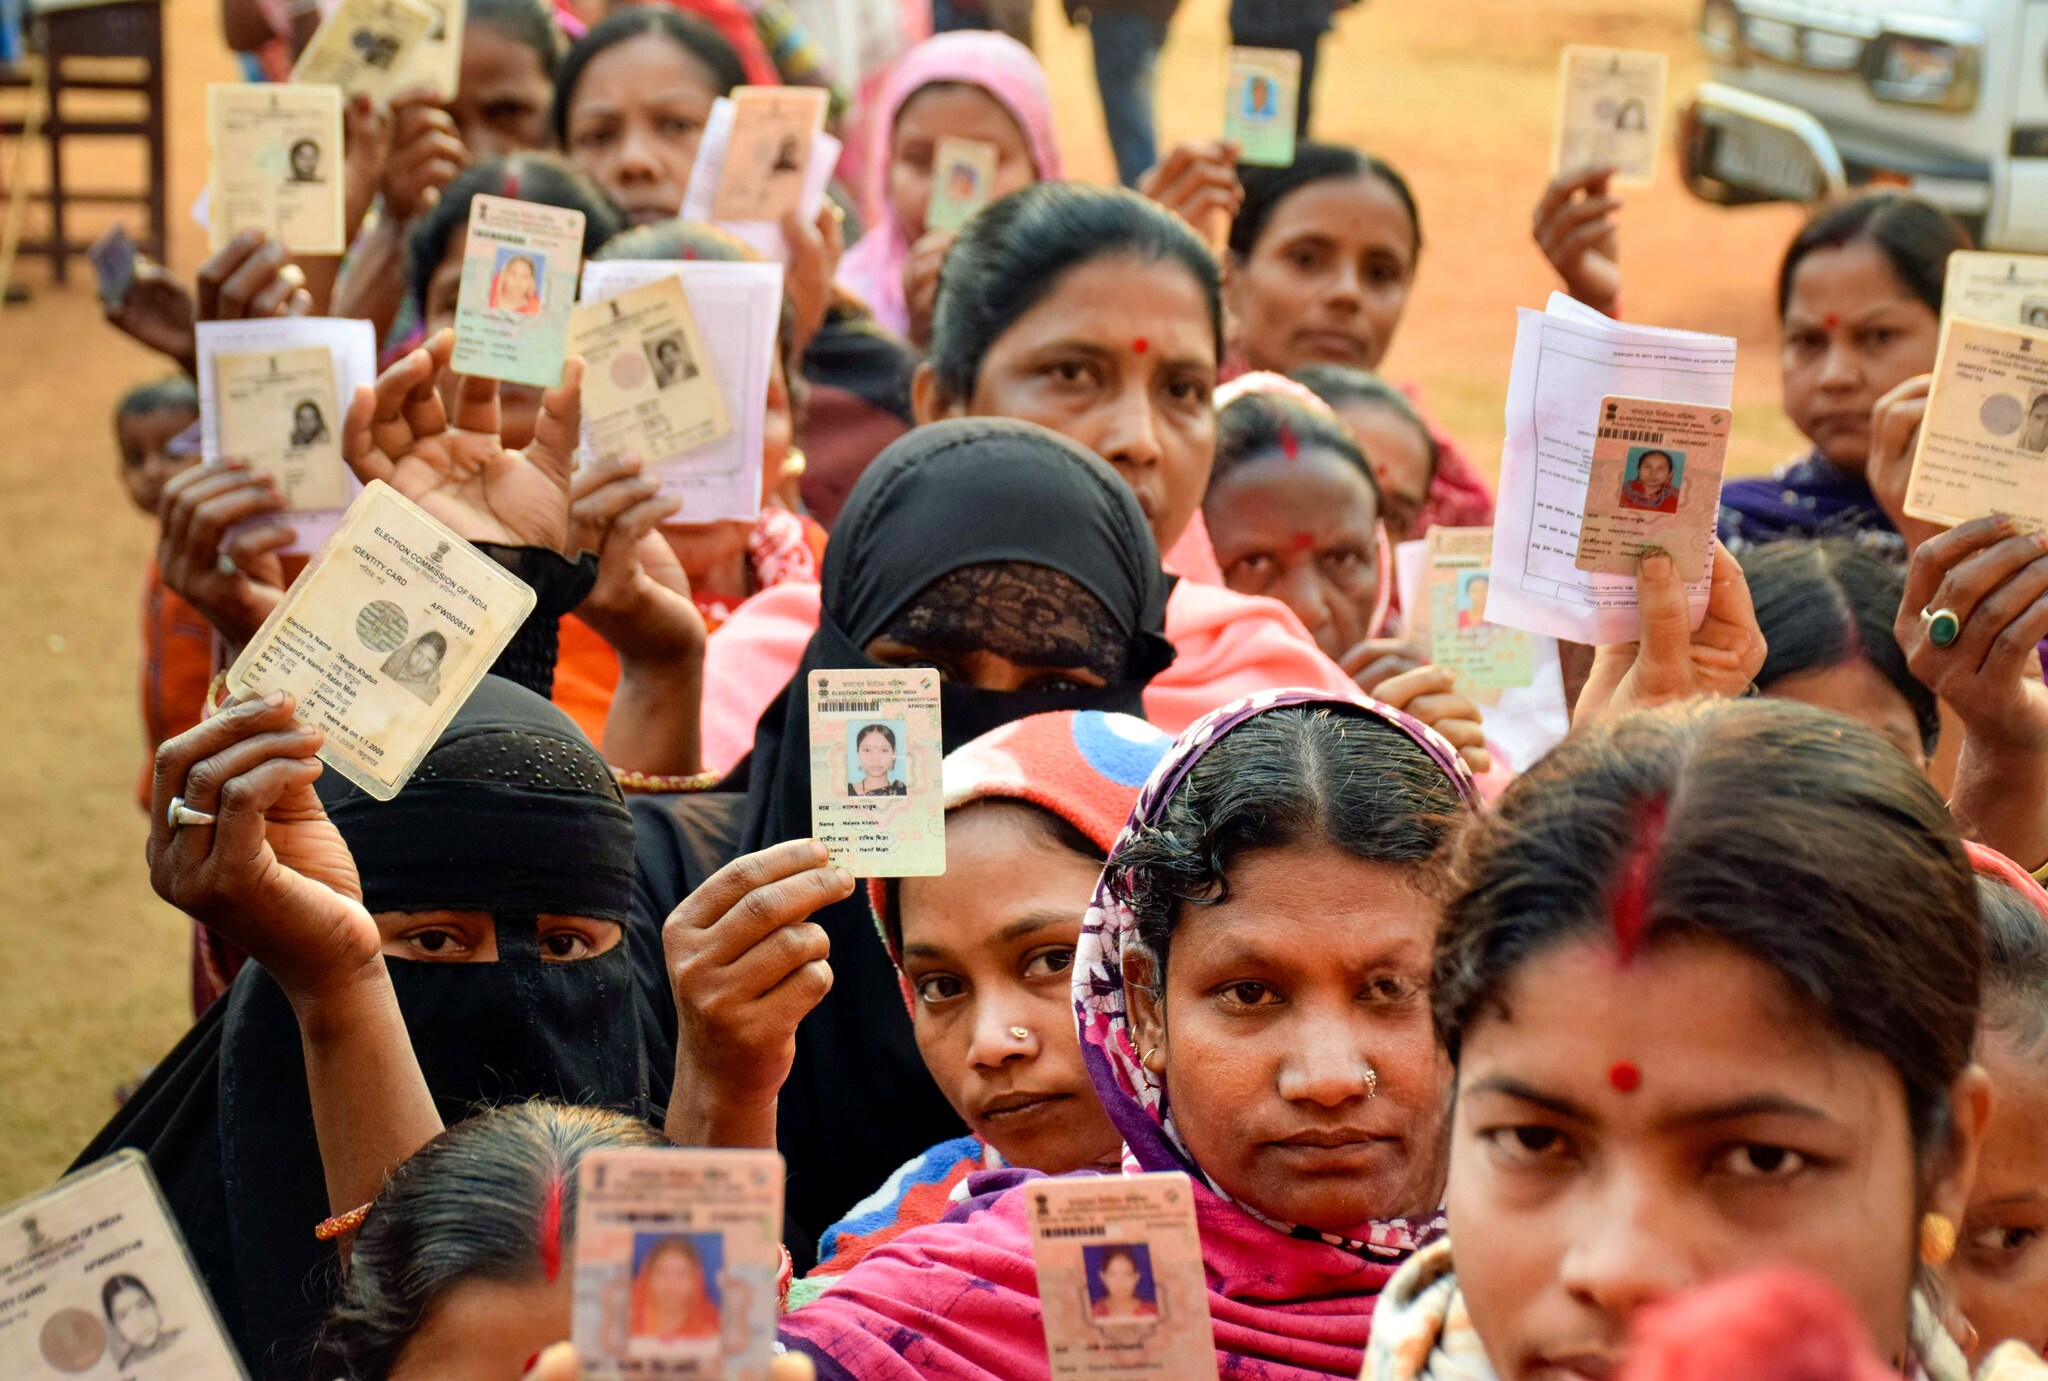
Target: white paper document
[738,307]
[1569,357]
[702,188]
[352,343]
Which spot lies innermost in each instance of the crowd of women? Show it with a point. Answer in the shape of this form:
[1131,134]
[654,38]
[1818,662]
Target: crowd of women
[1475,1074]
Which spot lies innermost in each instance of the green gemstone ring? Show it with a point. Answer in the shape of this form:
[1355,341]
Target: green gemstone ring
[1943,627]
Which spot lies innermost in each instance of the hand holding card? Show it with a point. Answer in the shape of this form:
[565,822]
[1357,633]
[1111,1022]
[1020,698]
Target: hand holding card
[1655,482]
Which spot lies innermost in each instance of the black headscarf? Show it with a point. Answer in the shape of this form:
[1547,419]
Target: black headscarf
[512,812]
[1061,550]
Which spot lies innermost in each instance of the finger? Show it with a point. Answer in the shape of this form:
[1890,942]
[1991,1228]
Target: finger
[357,447]
[1579,215]
[1977,575]
[176,755]
[275,297]
[220,265]
[248,544]
[719,892]
[598,511]
[1398,691]
[1374,649]
[777,906]
[644,517]
[476,404]
[561,418]
[1574,246]
[1566,186]
[2009,599]
[212,519]
[1937,557]
[425,414]
[756,971]
[188,492]
[785,1005]
[1450,714]
[385,427]
[239,831]
[604,472]
[239,288]
[1478,759]
[2013,654]
[210,775]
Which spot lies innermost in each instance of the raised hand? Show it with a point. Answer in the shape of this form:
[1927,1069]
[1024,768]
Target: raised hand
[234,580]
[1377,659]
[1894,441]
[1576,230]
[457,468]
[426,154]
[1197,181]
[641,603]
[1430,695]
[815,249]
[921,282]
[1672,662]
[251,276]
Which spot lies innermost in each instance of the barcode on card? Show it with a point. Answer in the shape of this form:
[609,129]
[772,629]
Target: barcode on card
[849,707]
[1625,434]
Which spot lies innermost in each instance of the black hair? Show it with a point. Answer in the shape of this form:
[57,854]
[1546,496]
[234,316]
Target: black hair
[528,22]
[547,179]
[297,144]
[437,638]
[1642,456]
[171,391]
[1256,425]
[884,730]
[1781,830]
[1341,387]
[1293,775]
[114,1286]
[693,35]
[1824,603]
[1916,237]
[1011,255]
[1050,827]
[1266,188]
[2015,966]
[492,1198]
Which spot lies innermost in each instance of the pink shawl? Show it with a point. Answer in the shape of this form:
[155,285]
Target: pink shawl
[959,1299]
[873,269]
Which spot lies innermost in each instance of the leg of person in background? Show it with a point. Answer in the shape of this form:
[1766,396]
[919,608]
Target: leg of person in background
[1012,17]
[1126,53]
[1307,48]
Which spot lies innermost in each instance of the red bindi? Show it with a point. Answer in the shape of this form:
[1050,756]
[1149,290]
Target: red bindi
[1141,345]
[1625,1077]
[1831,321]
[1302,541]
[1290,444]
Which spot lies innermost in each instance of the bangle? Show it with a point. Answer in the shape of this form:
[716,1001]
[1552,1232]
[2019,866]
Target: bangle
[785,1274]
[341,1223]
[658,784]
[216,694]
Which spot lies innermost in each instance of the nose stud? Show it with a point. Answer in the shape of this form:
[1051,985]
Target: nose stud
[1020,1033]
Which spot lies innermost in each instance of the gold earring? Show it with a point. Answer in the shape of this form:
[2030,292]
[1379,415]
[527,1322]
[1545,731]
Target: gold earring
[1152,1062]
[1937,1239]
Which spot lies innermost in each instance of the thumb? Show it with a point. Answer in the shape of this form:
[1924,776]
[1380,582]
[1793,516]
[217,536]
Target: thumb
[1666,621]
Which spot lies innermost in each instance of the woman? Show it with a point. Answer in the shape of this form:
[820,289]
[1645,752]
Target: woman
[982,86]
[1257,949]
[929,568]
[490,926]
[1684,1049]
[138,1326]
[876,751]
[671,1299]
[1826,610]
[1397,441]
[1323,255]
[510,50]
[1120,1300]
[516,287]
[1651,491]
[1094,313]
[1859,300]
[2035,435]
[308,426]
[1293,513]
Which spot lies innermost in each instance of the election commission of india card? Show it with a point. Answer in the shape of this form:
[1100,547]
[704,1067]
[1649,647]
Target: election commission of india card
[276,165]
[1609,104]
[649,384]
[1655,481]
[519,269]
[1984,442]
[278,413]
[877,799]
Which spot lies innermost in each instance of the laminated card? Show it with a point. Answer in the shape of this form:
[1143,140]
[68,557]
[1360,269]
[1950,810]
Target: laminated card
[877,800]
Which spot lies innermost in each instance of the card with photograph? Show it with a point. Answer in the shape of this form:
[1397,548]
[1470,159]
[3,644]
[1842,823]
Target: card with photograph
[518,288]
[963,181]
[1655,481]
[649,384]
[96,1283]
[436,62]
[1984,441]
[365,47]
[1609,107]
[2009,288]
[276,165]
[1120,1276]
[1486,658]
[769,151]
[700,193]
[677,1253]
[877,800]
[278,413]
[384,636]
[1261,103]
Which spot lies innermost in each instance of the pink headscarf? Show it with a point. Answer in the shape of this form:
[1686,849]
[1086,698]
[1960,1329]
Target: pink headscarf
[873,269]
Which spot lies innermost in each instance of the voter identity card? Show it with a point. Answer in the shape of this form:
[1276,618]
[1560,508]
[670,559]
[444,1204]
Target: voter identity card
[762,177]
[677,1253]
[437,62]
[1120,1276]
[2008,288]
[276,164]
[1655,482]
[1260,101]
[1984,442]
[1609,104]
[877,801]
[518,288]
[963,180]
[385,635]
[649,384]
[1485,657]
[364,46]
[96,1285]
[278,412]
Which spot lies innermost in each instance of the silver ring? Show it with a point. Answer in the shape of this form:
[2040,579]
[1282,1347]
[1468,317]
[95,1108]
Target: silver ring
[181,814]
[226,565]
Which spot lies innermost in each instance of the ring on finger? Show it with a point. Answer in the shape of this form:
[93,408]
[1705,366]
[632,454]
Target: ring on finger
[225,564]
[181,814]
[1943,627]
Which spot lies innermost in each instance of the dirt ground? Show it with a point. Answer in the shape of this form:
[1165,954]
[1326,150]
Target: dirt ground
[93,985]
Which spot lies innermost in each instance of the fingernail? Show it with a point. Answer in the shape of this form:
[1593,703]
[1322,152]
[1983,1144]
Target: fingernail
[845,878]
[1653,561]
[824,855]
[274,699]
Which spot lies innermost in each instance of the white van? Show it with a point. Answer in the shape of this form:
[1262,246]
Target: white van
[1948,98]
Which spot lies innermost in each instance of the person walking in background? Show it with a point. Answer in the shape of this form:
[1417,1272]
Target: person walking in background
[1012,17]
[1128,35]
[1296,24]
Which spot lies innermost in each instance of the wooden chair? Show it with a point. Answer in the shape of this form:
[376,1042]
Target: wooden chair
[112,47]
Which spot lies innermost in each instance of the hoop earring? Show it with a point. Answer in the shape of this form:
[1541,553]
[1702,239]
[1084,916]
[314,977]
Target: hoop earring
[1937,1239]
[1151,1061]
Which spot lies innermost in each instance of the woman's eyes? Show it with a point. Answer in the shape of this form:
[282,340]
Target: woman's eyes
[1257,566]
[677,126]
[1049,962]
[1247,994]
[1392,989]
[1188,391]
[1760,1161]
[1070,372]
[593,138]
[1382,273]
[939,987]
[1530,1144]
[1877,337]
[1994,1246]
[1308,260]
[437,944]
[565,946]
[1060,684]
[1806,342]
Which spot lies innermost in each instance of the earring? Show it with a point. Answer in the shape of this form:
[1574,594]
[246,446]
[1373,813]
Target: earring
[1937,1239]
[1153,1064]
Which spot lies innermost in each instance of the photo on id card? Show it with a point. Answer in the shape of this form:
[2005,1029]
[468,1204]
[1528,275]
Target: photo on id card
[1120,1277]
[1609,104]
[96,1284]
[1260,103]
[384,636]
[276,165]
[1984,441]
[278,413]
[762,177]
[677,1257]
[519,270]
[963,181]
[649,384]
[1655,481]
[365,47]
[1485,658]
[2010,289]
[877,799]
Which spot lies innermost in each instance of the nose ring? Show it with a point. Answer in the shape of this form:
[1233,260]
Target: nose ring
[1020,1033]
[1372,1081]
